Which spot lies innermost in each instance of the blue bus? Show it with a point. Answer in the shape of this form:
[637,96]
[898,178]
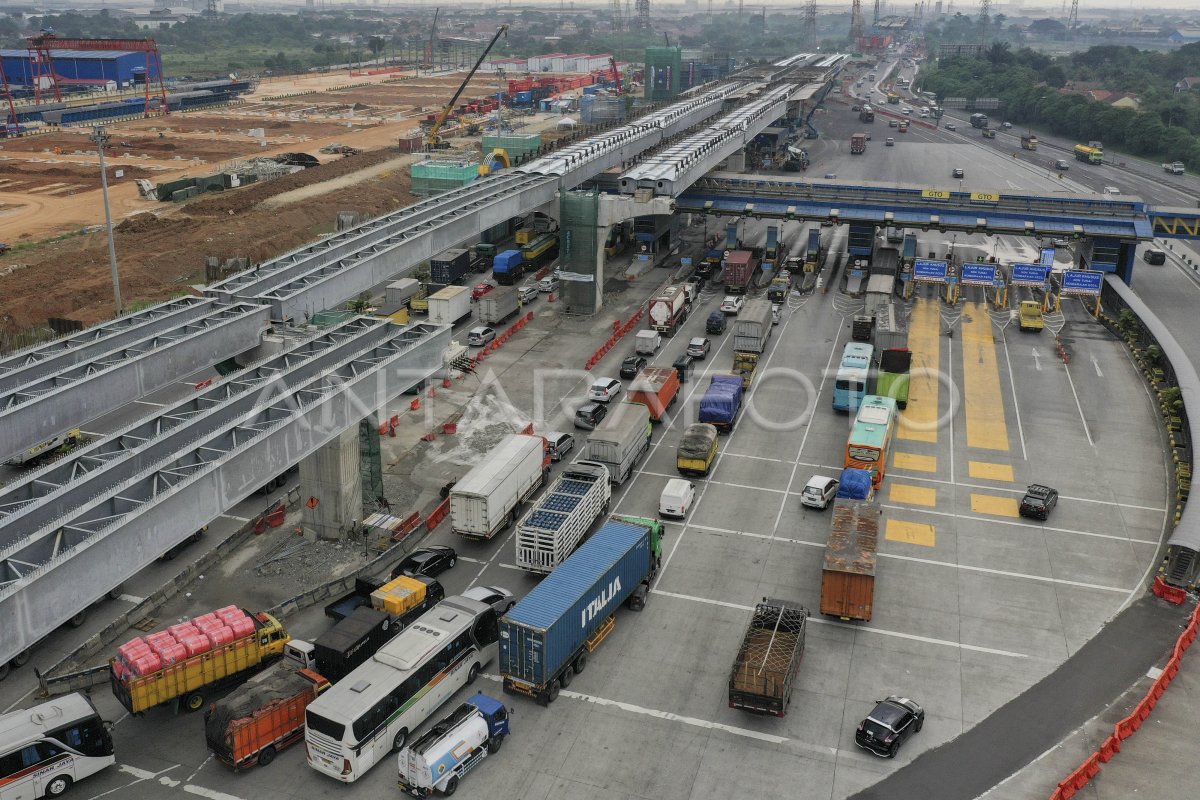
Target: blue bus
[850,383]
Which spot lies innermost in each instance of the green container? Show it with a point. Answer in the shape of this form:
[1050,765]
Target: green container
[517,145]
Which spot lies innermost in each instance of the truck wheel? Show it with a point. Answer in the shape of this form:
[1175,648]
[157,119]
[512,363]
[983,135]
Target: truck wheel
[5,668]
[399,741]
[194,701]
[566,678]
[116,592]
[58,786]
[494,744]
[555,688]
[78,619]
[266,756]
[472,674]
[451,786]
[580,662]
[22,658]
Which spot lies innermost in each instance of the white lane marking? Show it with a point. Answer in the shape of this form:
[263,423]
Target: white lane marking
[236,518]
[1037,359]
[1016,406]
[192,777]
[211,794]
[140,774]
[1018,524]
[1075,394]
[854,627]
[721,483]
[1096,364]
[132,598]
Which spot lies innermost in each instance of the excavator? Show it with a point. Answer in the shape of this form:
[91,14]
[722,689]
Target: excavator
[432,140]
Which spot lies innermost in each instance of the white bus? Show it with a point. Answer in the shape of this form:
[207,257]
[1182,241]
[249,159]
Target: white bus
[45,749]
[372,711]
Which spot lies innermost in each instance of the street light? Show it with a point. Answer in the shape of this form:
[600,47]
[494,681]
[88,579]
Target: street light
[101,137]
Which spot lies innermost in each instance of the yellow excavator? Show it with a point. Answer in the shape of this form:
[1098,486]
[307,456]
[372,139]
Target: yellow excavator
[432,140]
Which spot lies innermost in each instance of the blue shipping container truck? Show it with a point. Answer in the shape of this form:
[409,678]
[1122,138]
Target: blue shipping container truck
[721,402]
[508,266]
[546,637]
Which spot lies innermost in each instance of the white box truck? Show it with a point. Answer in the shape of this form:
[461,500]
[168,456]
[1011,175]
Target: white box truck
[486,498]
[557,525]
[498,305]
[752,328]
[620,440]
[449,305]
[401,291]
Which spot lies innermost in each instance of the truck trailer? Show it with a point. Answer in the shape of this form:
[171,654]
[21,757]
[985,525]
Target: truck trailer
[556,526]
[450,267]
[508,267]
[262,716]
[498,305]
[657,388]
[453,747]
[753,327]
[402,291]
[486,498]
[668,310]
[767,661]
[848,571]
[546,638]
[450,305]
[739,267]
[858,144]
[890,329]
[722,402]
[620,440]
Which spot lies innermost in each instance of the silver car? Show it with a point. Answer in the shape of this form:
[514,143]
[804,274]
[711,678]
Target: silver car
[498,598]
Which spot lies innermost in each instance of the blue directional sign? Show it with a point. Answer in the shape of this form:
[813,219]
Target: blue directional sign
[685,261]
[1077,281]
[978,274]
[1047,259]
[1029,274]
[930,270]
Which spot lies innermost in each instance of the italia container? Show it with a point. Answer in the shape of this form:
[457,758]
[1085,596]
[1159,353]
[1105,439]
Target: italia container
[544,637]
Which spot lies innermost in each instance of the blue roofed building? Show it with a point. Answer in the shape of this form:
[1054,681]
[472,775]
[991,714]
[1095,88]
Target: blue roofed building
[78,67]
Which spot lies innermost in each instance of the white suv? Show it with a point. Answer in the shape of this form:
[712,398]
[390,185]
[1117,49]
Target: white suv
[603,390]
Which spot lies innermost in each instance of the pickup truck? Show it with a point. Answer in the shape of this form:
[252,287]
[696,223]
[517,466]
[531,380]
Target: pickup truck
[1029,316]
[1175,168]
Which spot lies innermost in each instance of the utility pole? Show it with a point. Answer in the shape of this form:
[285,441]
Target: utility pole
[100,136]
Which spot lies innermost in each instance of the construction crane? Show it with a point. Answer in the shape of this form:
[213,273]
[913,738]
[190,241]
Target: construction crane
[432,140]
[43,45]
[616,73]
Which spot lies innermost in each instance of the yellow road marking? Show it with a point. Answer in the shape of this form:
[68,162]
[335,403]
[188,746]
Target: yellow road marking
[915,461]
[996,506]
[913,495]
[910,533]
[982,470]
[982,401]
[918,422]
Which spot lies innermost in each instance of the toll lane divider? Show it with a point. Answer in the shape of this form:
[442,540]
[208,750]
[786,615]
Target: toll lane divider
[619,331]
[1126,727]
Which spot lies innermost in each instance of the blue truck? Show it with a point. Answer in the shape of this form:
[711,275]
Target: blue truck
[545,639]
[508,267]
[722,402]
[453,747]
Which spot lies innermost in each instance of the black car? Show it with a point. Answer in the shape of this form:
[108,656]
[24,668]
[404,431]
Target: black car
[716,323]
[631,366]
[430,561]
[1038,501]
[886,728]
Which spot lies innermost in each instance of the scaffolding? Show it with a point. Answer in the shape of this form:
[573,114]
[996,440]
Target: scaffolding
[371,465]
[579,250]
[434,177]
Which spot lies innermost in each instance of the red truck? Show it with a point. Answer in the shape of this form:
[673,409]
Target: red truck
[657,388]
[264,715]
[668,310]
[739,267]
[858,144]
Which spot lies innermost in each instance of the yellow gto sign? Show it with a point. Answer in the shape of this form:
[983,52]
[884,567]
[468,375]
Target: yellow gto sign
[984,197]
[935,194]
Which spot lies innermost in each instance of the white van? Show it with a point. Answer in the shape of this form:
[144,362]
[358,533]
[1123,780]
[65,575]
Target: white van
[677,498]
[646,343]
[548,284]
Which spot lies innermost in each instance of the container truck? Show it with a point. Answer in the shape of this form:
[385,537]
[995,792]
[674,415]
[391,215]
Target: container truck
[556,526]
[767,661]
[485,500]
[620,440]
[848,571]
[453,747]
[858,144]
[890,328]
[186,662]
[668,310]
[498,305]
[450,305]
[753,326]
[546,638]
[450,267]
[657,388]
[739,267]
[697,450]
[879,294]
[262,716]
[721,402]
[401,291]
[508,267]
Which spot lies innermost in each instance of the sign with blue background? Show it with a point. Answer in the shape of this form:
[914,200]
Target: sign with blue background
[1028,274]
[1047,259]
[927,269]
[1081,282]
[978,274]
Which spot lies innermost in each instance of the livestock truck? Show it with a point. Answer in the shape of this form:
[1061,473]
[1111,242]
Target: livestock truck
[620,440]
[767,662]
[668,310]
[186,662]
[851,552]
[450,267]
[450,305]
[262,716]
[546,638]
[498,305]
[739,267]
[722,402]
[453,747]
[555,527]
[657,388]
[485,500]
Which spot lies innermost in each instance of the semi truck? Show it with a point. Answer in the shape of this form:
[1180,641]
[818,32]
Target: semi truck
[1029,141]
[450,305]
[657,388]
[450,267]
[547,637]
[812,256]
[753,326]
[402,291]
[722,402]
[697,450]
[186,662]
[486,498]
[866,114]
[498,305]
[1175,168]
[508,267]
[739,267]
[438,760]
[979,121]
[556,526]
[767,661]
[848,571]
[620,440]
[858,144]
[668,310]
[262,716]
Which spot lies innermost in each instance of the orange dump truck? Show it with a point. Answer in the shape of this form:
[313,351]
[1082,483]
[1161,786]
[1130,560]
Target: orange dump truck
[657,388]
[262,716]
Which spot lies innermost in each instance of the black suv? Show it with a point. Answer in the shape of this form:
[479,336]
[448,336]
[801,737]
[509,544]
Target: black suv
[886,728]
[1038,501]
[631,366]
[716,323]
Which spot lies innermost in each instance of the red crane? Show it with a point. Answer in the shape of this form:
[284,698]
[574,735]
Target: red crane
[616,73]
[41,49]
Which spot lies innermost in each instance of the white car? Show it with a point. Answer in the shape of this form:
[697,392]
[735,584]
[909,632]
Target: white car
[732,303]
[528,292]
[499,599]
[478,337]
[819,492]
[604,390]
[1111,190]
[548,284]
[950,126]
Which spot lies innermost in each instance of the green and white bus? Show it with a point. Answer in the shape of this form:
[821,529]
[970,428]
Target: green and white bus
[47,748]
[374,710]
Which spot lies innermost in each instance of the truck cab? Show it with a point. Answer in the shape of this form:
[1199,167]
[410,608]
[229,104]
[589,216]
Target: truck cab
[1030,316]
[438,760]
